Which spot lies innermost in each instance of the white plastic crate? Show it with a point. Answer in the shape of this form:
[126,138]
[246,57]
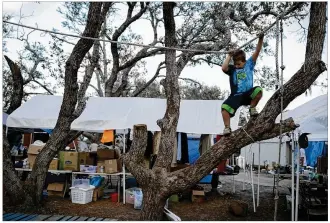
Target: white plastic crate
[82,195]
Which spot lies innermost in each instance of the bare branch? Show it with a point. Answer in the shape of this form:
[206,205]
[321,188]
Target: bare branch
[114,46]
[185,79]
[139,91]
[43,86]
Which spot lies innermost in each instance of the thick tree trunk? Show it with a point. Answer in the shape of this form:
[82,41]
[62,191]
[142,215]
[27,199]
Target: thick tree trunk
[12,186]
[158,183]
[62,135]
[153,205]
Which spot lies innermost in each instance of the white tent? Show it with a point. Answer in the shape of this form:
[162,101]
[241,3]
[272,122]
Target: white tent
[40,111]
[4,118]
[312,118]
[196,116]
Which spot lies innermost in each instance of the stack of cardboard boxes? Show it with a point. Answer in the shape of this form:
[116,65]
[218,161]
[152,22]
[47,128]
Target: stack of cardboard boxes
[108,159]
[104,160]
[33,152]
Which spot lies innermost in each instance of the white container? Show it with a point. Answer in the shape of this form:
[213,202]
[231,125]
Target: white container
[81,183]
[82,195]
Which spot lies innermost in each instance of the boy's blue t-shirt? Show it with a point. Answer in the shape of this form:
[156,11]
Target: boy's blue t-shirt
[241,80]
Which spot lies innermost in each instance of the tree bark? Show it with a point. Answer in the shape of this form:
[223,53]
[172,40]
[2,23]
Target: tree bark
[264,127]
[158,183]
[156,188]
[17,95]
[12,186]
[62,135]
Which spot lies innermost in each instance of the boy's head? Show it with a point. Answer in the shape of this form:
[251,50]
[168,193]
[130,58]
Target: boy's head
[239,59]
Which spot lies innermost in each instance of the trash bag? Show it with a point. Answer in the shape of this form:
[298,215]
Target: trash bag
[96,181]
[138,197]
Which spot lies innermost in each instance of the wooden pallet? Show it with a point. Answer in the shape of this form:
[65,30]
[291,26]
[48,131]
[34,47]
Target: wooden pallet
[35,217]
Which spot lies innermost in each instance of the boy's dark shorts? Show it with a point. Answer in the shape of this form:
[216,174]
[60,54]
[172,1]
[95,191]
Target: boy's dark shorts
[233,102]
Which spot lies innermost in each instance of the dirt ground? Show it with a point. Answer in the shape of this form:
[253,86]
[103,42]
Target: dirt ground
[214,208]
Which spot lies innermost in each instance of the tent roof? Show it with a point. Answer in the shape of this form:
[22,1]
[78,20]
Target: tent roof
[196,116]
[312,117]
[40,111]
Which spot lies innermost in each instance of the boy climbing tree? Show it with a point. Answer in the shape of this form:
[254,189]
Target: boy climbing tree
[241,84]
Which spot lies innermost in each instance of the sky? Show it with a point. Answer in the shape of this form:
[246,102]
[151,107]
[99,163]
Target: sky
[46,17]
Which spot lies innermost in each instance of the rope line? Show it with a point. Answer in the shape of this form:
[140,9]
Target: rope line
[248,135]
[137,44]
[150,46]
[279,37]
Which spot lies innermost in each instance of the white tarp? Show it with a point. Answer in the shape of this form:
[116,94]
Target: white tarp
[312,118]
[40,111]
[196,116]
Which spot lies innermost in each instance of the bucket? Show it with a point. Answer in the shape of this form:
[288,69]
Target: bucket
[114,197]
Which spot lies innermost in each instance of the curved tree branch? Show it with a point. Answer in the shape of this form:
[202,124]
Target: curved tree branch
[114,46]
[17,94]
[140,90]
[263,127]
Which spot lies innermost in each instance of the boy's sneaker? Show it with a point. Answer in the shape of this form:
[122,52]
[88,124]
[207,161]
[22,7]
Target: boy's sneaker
[253,112]
[227,131]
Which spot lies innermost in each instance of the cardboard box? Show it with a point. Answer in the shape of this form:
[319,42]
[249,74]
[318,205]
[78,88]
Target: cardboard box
[98,193]
[33,151]
[88,169]
[106,154]
[198,196]
[69,161]
[55,189]
[99,164]
[53,165]
[85,158]
[112,166]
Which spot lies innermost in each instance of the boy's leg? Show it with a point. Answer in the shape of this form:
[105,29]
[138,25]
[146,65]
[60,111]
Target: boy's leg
[226,117]
[229,108]
[254,96]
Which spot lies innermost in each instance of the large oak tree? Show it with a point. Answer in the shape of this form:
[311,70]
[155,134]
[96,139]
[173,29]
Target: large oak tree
[158,183]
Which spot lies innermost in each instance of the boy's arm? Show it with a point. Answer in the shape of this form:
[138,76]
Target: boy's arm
[258,49]
[225,65]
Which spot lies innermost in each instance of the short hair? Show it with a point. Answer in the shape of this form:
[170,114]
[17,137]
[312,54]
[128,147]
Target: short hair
[239,55]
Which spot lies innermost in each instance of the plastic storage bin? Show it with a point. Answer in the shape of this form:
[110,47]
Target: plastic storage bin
[82,195]
[129,195]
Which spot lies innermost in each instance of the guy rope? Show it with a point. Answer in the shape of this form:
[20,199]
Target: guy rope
[279,31]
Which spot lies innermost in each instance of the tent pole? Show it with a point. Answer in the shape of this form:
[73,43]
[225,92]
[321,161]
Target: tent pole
[254,203]
[233,183]
[297,182]
[244,167]
[258,190]
[124,177]
[292,176]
